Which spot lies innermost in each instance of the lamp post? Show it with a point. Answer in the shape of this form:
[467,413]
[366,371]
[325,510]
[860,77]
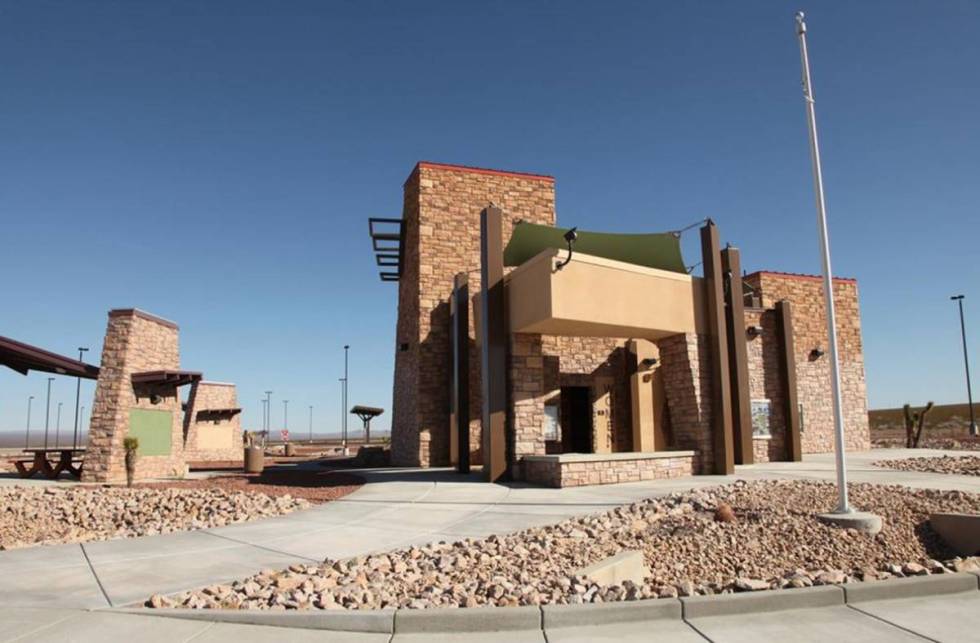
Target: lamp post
[27,439]
[57,427]
[81,418]
[343,415]
[344,410]
[285,415]
[311,424]
[844,515]
[78,394]
[47,413]
[267,419]
[966,362]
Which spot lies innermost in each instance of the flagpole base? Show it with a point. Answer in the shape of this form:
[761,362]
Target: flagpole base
[862,521]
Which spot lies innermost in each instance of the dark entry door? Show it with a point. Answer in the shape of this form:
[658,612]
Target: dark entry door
[576,419]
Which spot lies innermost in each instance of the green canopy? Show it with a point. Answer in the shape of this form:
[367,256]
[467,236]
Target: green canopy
[658,250]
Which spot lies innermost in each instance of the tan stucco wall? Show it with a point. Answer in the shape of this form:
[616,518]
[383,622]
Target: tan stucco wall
[597,297]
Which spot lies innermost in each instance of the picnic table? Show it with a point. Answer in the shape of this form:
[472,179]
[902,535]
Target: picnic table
[66,462]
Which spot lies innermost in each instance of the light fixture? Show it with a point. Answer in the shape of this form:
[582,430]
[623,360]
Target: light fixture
[754,331]
[649,362]
[817,353]
[570,238]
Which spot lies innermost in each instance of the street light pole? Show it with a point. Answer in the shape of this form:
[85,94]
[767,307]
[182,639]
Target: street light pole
[78,394]
[285,415]
[57,427]
[311,424]
[346,349]
[828,287]
[27,439]
[268,413]
[343,436]
[47,413]
[966,362]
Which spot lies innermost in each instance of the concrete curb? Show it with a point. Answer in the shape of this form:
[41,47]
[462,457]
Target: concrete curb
[773,600]
[910,587]
[368,621]
[467,619]
[547,617]
[554,616]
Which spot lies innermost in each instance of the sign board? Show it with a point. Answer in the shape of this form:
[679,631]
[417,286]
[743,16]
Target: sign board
[761,412]
[284,434]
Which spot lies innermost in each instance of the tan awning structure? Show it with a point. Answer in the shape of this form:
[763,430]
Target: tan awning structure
[657,250]
[598,297]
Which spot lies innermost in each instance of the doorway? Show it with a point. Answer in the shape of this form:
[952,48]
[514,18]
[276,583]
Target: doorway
[576,419]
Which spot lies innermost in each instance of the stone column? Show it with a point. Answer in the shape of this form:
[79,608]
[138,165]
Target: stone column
[135,342]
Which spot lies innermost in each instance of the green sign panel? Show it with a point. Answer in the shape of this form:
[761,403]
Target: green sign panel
[153,429]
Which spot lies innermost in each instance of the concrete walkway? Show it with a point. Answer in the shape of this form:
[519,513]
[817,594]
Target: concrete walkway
[396,508]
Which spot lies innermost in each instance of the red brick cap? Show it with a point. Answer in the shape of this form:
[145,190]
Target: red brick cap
[478,170]
[797,275]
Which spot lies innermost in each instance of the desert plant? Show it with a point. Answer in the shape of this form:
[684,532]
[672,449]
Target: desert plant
[914,422]
[131,445]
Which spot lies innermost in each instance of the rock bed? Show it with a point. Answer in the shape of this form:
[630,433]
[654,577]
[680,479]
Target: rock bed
[770,540]
[315,485]
[51,515]
[967,465]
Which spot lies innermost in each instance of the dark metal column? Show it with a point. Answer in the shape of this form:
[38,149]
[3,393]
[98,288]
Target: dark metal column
[493,349]
[721,406]
[738,360]
[787,358]
[459,429]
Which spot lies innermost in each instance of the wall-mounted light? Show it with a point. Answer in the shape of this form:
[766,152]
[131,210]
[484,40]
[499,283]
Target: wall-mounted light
[817,353]
[753,331]
[570,238]
[155,399]
[649,362]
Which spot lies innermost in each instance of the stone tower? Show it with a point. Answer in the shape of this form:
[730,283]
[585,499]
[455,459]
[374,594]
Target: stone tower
[441,223]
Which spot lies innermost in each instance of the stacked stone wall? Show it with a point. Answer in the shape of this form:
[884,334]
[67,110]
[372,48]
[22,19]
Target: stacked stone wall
[766,382]
[442,214]
[135,342]
[685,363]
[212,437]
[805,293]
[576,474]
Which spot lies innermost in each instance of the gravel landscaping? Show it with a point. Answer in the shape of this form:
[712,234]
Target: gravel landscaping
[315,485]
[740,537]
[55,515]
[967,465]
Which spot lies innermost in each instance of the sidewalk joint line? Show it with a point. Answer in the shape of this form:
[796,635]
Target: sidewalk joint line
[883,620]
[269,549]
[95,575]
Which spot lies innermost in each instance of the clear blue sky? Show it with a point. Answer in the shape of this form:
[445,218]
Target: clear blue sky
[215,163]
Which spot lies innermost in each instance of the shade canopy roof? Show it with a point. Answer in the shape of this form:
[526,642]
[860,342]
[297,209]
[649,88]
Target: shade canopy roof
[23,357]
[167,377]
[656,250]
[366,411]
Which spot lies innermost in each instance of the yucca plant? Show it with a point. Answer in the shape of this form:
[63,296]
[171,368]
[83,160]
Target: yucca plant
[131,445]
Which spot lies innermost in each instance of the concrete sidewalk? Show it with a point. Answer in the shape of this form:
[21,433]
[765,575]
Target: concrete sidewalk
[396,508]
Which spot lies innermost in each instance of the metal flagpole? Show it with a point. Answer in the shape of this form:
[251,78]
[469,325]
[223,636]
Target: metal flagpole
[842,506]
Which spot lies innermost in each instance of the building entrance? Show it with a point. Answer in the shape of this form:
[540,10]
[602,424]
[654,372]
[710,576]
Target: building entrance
[576,419]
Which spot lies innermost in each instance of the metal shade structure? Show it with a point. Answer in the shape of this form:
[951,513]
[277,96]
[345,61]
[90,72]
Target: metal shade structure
[23,358]
[656,250]
[388,243]
[367,413]
[167,378]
